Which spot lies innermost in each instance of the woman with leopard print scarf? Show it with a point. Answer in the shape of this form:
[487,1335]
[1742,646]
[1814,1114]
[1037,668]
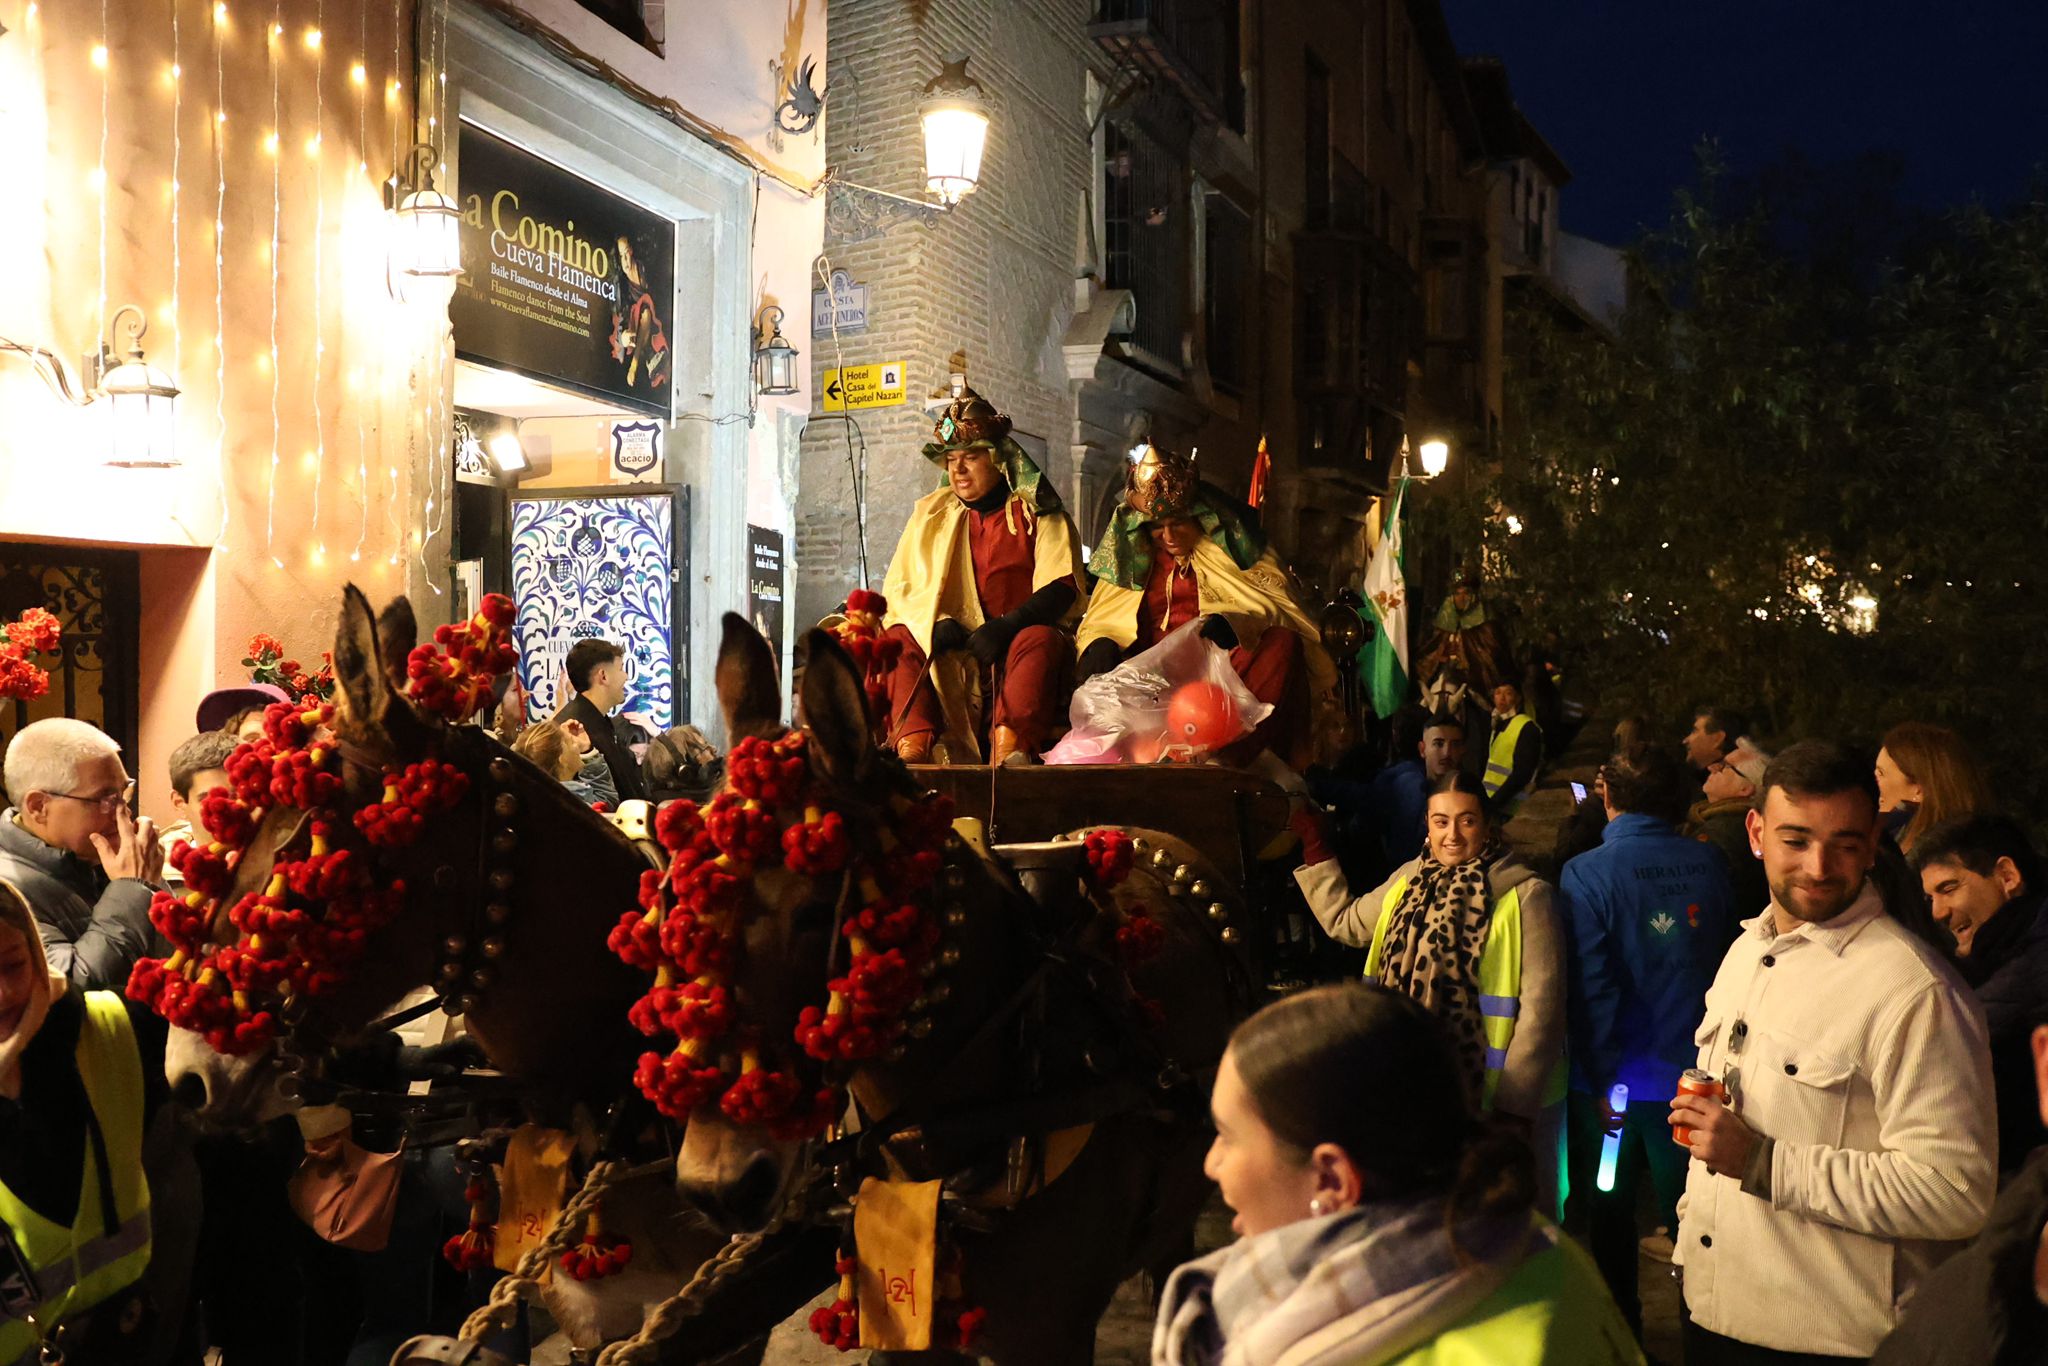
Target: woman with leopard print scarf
[1470,931]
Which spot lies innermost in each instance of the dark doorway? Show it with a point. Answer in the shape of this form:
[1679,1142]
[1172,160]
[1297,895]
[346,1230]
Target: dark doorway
[96,596]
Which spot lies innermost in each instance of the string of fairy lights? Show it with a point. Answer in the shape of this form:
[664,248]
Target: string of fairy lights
[370,365]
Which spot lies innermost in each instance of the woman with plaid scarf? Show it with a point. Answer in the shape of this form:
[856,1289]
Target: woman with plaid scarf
[1380,1220]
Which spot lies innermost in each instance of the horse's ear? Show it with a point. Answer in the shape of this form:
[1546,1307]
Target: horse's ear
[359,677]
[397,633]
[834,708]
[747,691]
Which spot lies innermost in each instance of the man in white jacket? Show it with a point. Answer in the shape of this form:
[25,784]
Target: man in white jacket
[1859,1145]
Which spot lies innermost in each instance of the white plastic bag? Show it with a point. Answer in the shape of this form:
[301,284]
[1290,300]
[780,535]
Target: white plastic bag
[1128,714]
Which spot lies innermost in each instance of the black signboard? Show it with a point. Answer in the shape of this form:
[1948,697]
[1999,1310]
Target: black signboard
[562,280]
[764,583]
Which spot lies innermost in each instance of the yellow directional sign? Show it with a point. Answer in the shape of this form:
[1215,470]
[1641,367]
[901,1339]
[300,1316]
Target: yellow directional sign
[863,386]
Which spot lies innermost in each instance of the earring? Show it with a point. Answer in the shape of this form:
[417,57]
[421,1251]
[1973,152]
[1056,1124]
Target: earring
[1317,1208]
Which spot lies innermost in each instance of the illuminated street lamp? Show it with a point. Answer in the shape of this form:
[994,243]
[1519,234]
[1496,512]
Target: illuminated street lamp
[139,400]
[955,120]
[1436,457]
[426,236]
[141,403]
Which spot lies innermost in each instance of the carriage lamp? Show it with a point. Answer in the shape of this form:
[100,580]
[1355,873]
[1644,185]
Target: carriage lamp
[1436,457]
[140,402]
[774,357]
[955,120]
[136,400]
[425,250]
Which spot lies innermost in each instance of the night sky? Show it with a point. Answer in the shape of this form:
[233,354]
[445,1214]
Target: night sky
[1623,89]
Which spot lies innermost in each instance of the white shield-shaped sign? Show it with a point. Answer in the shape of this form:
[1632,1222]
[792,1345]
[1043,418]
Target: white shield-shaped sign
[636,453]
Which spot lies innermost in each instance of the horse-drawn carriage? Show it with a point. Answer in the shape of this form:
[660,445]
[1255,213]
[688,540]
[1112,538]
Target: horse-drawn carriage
[998,992]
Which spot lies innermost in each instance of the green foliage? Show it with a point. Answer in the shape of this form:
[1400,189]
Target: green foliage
[1762,405]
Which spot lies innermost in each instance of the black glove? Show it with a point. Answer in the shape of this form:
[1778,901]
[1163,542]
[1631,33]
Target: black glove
[991,642]
[1217,630]
[1099,658]
[948,635]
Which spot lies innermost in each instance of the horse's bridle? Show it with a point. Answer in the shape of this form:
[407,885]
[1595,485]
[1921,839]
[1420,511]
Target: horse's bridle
[470,948]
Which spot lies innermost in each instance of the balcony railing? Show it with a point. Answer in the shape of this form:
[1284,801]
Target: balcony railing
[1181,42]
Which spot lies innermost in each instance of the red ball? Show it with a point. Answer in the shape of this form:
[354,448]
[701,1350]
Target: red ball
[1201,714]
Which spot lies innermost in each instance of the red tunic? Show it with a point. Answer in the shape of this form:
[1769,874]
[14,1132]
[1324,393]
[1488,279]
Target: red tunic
[1172,597]
[1004,546]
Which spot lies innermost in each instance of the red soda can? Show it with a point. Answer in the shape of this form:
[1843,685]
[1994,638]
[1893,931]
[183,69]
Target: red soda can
[1694,1082]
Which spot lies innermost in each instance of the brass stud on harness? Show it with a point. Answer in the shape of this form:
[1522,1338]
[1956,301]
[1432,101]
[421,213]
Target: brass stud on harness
[1161,859]
[501,879]
[501,769]
[505,841]
[455,944]
[493,947]
[450,972]
[920,1028]
[1230,934]
[1218,912]
[482,978]
[497,912]
[1199,891]
[1183,874]
[1141,844]
[956,877]
[949,957]
[956,916]
[505,806]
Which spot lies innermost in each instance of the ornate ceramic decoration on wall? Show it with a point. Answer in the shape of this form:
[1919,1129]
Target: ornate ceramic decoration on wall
[597,566]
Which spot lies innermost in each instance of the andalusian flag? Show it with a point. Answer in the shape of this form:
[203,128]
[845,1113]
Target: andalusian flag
[1386,595]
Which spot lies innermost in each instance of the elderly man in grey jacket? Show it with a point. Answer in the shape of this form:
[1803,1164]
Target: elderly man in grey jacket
[81,859]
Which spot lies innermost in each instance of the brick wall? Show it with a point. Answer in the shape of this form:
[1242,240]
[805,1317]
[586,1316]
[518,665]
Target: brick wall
[991,278]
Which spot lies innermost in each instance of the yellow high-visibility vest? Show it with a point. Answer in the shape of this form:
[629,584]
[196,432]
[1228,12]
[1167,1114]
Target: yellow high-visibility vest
[1555,1307]
[98,1256]
[1500,756]
[1500,975]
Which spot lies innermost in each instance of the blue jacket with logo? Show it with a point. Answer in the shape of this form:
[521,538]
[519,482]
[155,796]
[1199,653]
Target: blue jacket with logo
[1648,915]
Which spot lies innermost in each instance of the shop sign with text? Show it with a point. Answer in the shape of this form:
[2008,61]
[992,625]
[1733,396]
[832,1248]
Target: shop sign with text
[562,280]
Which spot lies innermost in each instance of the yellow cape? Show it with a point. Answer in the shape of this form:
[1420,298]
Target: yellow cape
[932,573]
[1253,601]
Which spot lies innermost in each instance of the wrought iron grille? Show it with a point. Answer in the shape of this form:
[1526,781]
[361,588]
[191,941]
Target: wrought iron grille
[96,596]
[1145,237]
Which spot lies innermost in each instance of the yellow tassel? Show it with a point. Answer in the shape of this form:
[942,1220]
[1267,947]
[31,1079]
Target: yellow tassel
[242,1001]
[663,977]
[319,844]
[390,793]
[690,1048]
[177,961]
[275,891]
[194,900]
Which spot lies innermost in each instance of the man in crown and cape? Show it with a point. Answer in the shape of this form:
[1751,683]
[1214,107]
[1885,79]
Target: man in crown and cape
[1177,548]
[982,593]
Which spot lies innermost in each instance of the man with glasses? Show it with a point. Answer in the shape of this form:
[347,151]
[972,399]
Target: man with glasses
[71,842]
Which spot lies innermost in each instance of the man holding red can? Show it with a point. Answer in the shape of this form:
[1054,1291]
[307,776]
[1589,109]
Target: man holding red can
[1857,1143]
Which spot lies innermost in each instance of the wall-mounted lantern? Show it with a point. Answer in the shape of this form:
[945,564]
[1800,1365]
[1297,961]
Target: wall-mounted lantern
[138,401]
[774,357]
[425,234]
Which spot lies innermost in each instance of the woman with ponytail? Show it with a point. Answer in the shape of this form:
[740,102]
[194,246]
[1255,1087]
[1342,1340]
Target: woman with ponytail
[1382,1224]
[1469,930]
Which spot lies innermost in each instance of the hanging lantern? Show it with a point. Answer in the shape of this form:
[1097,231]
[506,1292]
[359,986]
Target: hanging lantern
[1436,458]
[426,238]
[955,120]
[774,357]
[140,403]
